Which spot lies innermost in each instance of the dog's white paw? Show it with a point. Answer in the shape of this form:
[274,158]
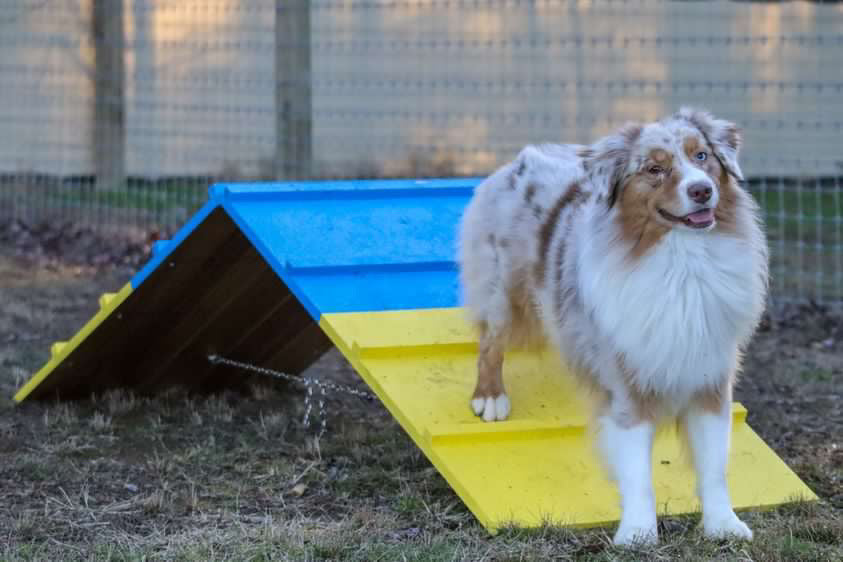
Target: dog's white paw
[491,408]
[726,526]
[637,527]
[636,534]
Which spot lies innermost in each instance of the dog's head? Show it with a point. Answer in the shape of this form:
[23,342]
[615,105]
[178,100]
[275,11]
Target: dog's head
[677,173]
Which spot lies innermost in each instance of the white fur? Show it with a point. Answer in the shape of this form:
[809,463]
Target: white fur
[627,453]
[708,435]
[678,316]
[491,408]
[702,298]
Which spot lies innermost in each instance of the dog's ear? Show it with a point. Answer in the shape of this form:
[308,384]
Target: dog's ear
[723,136]
[606,161]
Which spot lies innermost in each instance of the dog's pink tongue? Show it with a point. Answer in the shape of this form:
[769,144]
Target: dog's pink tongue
[701,217]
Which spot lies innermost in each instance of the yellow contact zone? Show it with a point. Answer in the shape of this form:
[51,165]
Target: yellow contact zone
[360,336]
[538,466]
[60,350]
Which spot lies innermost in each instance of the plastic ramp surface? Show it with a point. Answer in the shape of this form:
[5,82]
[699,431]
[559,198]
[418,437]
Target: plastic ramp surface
[271,274]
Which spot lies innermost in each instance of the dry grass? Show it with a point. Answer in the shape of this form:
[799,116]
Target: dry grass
[251,484]
[231,477]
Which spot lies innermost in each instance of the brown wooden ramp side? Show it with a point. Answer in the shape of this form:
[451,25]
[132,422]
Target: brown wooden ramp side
[214,294]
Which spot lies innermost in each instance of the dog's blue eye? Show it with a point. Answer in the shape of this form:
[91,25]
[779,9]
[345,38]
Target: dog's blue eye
[701,156]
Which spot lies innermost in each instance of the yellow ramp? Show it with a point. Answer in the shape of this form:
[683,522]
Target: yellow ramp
[537,466]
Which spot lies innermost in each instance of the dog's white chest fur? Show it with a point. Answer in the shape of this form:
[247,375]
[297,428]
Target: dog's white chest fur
[677,315]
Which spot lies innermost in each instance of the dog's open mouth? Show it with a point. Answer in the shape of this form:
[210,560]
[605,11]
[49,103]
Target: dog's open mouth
[698,219]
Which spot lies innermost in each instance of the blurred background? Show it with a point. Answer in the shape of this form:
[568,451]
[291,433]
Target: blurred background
[116,115]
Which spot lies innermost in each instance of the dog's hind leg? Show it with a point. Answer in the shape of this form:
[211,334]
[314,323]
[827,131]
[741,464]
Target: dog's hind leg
[489,399]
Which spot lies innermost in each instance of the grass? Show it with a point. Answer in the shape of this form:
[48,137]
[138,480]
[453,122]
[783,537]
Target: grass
[817,374]
[806,199]
[121,477]
[808,215]
[146,197]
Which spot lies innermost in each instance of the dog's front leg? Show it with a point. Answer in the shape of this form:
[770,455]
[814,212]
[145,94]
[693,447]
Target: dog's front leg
[708,427]
[627,447]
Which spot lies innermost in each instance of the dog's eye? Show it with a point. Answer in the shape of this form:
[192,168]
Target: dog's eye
[701,156]
[656,170]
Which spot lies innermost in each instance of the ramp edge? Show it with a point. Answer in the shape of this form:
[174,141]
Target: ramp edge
[108,303]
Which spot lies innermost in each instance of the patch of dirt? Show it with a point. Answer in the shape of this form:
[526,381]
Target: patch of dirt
[793,388]
[57,244]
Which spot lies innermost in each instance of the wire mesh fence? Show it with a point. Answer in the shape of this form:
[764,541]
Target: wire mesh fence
[119,114]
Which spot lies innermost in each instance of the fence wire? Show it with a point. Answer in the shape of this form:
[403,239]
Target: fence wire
[120,114]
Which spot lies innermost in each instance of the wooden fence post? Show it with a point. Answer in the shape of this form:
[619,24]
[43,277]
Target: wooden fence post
[293,105]
[109,131]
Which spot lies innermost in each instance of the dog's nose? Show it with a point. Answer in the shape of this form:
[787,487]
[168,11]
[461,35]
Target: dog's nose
[700,192]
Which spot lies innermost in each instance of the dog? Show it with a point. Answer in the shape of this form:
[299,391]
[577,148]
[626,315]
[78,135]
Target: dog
[643,261]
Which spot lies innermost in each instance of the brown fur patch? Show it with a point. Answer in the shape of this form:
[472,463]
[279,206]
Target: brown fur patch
[646,405]
[587,383]
[661,157]
[548,227]
[525,330]
[691,145]
[531,191]
[726,212]
[565,293]
[489,368]
[641,197]
[714,399]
